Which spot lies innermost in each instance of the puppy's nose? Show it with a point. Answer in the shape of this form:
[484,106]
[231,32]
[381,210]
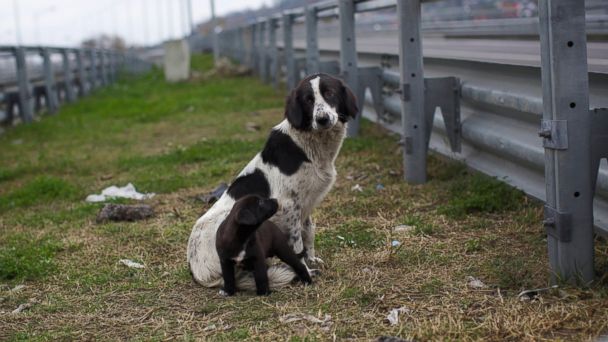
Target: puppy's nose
[323,120]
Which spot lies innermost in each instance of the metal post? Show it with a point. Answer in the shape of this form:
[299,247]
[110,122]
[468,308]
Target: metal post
[288,50]
[103,69]
[348,55]
[93,75]
[253,53]
[112,63]
[241,44]
[566,129]
[412,91]
[261,51]
[216,47]
[50,88]
[81,72]
[273,52]
[312,44]
[68,78]
[25,92]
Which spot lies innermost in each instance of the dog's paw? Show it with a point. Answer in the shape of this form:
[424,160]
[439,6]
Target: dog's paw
[225,294]
[263,292]
[314,272]
[314,260]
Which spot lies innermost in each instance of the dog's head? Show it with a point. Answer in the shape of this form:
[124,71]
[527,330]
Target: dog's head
[319,102]
[253,210]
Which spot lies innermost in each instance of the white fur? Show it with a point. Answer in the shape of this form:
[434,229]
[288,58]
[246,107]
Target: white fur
[321,107]
[239,258]
[297,195]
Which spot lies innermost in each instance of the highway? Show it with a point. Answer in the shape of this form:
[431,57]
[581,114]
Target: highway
[500,51]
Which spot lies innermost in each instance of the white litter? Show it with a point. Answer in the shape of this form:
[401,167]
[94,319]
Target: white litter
[357,187]
[529,294]
[21,308]
[131,263]
[403,228]
[393,315]
[127,191]
[475,283]
[295,317]
[18,288]
[395,243]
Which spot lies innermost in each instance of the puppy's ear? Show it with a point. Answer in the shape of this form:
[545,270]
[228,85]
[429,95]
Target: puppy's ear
[348,106]
[293,110]
[246,217]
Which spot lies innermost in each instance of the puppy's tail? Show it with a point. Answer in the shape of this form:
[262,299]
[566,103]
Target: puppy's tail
[279,275]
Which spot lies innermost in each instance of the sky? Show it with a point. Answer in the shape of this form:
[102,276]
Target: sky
[68,22]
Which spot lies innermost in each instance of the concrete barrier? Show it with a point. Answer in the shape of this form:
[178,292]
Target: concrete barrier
[177,60]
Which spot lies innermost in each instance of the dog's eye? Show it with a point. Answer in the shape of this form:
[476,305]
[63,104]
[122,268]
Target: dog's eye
[329,94]
[310,100]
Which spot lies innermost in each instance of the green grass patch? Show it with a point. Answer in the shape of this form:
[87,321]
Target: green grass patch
[41,189]
[351,234]
[478,193]
[23,257]
[421,226]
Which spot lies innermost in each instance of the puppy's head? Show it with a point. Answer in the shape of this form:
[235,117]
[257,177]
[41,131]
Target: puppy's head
[320,102]
[253,210]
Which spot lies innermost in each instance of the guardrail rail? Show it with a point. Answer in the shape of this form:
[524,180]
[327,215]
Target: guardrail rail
[35,79]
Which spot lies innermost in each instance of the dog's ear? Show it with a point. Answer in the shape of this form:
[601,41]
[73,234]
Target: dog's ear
[348,106]
[293,110]
[246,217]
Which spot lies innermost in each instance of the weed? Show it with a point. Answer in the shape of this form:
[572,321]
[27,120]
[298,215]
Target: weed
[480,193]
[42,189]
[351,234]
[23,257]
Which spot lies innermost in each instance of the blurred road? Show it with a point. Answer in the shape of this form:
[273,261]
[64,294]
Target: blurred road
[501,51]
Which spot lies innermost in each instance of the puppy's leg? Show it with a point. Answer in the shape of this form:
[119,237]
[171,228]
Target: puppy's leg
[308,239]
[229,279]
[260,273]
[287,255]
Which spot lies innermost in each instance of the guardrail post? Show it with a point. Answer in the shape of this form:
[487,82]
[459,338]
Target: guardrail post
[50,87]
[413,118]
[241,44]
[312,41]
[82,77]
[112,59]
[348,56]
[566,129]
[25,91]
[273,52]
[68,78]
[103,69]
[290,65]
[93,76]
[263,52]
[253,53]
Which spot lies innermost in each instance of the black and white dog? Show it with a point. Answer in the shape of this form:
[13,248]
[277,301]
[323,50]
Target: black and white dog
[296,167]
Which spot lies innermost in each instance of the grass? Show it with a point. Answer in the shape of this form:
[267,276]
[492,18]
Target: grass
[180,141]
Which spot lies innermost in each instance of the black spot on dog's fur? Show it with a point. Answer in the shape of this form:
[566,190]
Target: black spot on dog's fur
[282,152]
[254,183]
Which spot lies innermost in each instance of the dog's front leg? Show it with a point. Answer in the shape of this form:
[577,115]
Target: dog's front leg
[308,238]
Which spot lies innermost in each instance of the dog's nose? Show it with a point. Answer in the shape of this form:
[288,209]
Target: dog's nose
[323,120]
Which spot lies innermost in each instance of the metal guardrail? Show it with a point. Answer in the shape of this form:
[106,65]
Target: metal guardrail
[37,78]
[497,132]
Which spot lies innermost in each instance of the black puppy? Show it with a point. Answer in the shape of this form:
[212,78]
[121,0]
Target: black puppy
[246,238]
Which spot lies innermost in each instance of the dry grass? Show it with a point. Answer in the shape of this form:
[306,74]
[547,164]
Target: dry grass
[87,295]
